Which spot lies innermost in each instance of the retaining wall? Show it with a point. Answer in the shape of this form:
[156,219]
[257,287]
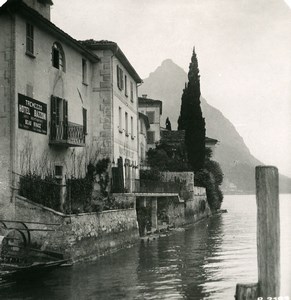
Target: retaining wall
[81,236]
[195,206]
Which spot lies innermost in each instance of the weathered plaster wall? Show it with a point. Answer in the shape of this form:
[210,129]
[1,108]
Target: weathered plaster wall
[37,78]
[81,236]
[6,89]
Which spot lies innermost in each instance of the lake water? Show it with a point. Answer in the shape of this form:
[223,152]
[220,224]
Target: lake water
[205,261]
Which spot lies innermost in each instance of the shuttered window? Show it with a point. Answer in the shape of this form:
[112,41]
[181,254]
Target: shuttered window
[58,57]
[151,137]
[131,91]
[29,39]
[119,77]
[151,116]
[85,120]
[125,86]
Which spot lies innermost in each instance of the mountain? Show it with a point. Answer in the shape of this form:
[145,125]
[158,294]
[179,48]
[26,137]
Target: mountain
[166,83]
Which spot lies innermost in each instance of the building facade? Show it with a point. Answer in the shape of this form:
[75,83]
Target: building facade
[153,110]
[61,105]
[116,87]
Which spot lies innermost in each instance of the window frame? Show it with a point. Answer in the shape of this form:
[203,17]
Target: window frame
[58,57]
[120,119]
[131,128]
[151,116]
[29,39]
[126,124]
[149,133]
[119,72]
[131,92]
[125,86]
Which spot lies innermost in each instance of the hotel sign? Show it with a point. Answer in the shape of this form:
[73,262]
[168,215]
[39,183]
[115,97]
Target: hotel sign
[32,114]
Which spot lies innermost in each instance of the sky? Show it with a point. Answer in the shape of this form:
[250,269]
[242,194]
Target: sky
[243,49]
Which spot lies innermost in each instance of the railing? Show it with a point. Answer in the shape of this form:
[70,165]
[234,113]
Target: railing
[152,186]
[68,134]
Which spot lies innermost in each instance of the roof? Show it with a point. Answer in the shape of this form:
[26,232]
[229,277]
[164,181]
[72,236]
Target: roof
[178,136]
[109,45]
[173,136]
[145,118]
[19,7]
[142,101]
[209,140]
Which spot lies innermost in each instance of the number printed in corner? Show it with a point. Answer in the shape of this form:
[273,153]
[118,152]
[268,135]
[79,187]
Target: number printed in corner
[274,298]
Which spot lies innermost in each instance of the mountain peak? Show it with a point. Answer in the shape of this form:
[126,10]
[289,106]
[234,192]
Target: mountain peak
[167,62]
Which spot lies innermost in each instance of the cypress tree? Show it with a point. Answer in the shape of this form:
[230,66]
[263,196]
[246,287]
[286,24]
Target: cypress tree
[168,124]
[191,119]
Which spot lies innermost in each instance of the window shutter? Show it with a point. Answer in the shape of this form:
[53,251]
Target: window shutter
[53,117]
[151,116]
[118,78]
[85,120]
[53,110]
[65,118]
[121,77]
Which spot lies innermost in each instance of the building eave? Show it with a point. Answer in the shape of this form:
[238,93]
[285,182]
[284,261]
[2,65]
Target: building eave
[19,7]
[147,102]
[108,45]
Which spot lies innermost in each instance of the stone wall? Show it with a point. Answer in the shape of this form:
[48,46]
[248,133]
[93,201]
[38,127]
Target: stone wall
[79,236]
[195,204]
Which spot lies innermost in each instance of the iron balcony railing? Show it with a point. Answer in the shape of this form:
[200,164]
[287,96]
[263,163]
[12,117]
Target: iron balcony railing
[67,134]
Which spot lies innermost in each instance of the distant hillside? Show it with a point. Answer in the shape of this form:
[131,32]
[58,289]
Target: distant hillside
[166,83]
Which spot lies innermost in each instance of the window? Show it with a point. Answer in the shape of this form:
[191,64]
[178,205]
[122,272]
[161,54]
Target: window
[125,86]
[140,126]
[58,171]
[120,120]
[59,110]
[151,116]
[59,118]
[119,78]
[84,71]
[126,124]
[151,137]
[29,39]
[85,120]
[131,91]
[131,127]
[58,57]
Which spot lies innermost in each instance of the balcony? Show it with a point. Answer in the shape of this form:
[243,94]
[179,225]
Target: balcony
[67,134]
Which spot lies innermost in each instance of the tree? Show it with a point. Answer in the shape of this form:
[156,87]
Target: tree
[168,124]
[191,119]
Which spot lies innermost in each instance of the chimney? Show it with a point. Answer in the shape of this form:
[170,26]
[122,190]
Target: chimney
[41,6]
[144,95]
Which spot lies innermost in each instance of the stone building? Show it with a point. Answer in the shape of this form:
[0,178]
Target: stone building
[63,103]
[153,110]
[116,87]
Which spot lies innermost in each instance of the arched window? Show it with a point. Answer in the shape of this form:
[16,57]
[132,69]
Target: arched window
[58,57]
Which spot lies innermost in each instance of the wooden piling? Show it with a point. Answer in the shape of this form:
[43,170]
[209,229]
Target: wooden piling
[268,238]
[268,231]
[246,291]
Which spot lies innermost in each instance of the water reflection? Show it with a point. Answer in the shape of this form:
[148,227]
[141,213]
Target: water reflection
[201,262]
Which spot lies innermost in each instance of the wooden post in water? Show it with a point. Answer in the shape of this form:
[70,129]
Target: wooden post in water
[268,231]
[268,238]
